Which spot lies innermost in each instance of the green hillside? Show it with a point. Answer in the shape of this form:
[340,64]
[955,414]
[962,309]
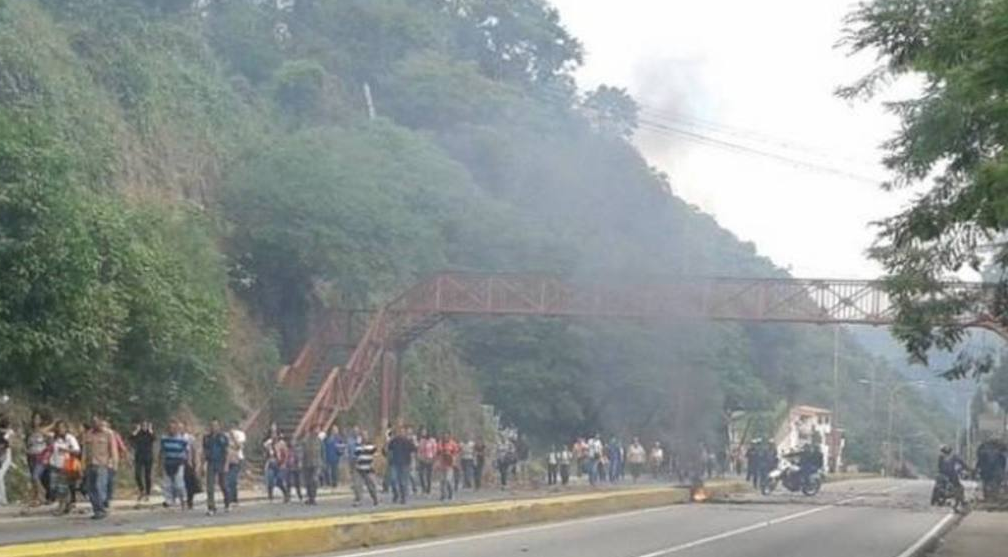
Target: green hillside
[185,187]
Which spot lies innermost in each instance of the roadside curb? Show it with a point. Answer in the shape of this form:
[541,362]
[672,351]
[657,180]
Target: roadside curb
[932,539]
[848,476]
[312,536]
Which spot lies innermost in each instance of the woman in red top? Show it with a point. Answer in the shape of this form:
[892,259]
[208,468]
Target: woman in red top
[447,454]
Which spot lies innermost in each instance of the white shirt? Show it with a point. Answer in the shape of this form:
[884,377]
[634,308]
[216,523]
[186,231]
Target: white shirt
[636,454]
[62,449]
[239,438]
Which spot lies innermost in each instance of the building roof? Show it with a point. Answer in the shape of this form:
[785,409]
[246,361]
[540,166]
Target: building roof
[805,409]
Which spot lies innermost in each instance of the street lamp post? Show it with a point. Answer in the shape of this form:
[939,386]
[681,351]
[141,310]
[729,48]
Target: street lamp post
[835,426]
[892,407]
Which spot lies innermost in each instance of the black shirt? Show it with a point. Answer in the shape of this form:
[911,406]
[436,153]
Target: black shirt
[143,445]
[401,451]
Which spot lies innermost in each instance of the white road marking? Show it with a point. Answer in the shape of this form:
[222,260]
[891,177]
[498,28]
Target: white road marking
[750,528]
[520,530]
[919,544]
[500,533]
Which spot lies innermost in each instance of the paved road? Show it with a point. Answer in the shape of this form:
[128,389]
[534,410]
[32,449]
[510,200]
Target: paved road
[14,530]
[872,518]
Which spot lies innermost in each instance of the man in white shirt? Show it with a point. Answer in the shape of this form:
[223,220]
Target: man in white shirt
[594,458]
[237,438]
[636,457]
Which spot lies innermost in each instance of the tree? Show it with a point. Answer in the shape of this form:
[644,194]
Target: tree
[244,34]
[102,305]
[953,135]
[519,41]
[365,209]
[612,110]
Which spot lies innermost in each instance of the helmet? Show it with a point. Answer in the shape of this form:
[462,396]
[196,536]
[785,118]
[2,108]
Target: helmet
[945,449]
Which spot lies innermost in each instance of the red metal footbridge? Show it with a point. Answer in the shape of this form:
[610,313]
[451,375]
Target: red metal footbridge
[391,328]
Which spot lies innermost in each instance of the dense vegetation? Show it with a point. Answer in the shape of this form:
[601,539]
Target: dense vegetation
[185,188]
[952,137]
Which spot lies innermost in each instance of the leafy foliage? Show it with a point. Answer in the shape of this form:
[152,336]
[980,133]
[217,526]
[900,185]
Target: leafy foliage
[952,134]
[98,308]
[148,145]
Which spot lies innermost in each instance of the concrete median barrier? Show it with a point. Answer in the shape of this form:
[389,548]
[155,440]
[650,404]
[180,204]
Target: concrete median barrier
[313,536]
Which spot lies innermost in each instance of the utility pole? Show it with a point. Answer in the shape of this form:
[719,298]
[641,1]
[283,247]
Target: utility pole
[969,427]
[370,102]
[835,428]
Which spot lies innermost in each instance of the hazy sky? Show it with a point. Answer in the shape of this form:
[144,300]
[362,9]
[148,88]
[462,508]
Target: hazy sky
[761,75]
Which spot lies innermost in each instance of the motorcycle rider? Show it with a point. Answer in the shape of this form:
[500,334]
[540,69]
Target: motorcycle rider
[810,461]
[770,460]
[950,465]
[991,461]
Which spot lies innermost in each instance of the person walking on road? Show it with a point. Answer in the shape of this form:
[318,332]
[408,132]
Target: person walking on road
[174,453]
[142,439]
[615,456]
[277,466]
[64,465]
[294,476]
[191,477]
[580,450]
[334,448]
[565,457]
[215,457]
[6,454]
[311,460]
[657,458]
[447,455]
[426,453]
[751,455]
[505,460]
[468,459]
[480,463]
[552,465]
[111,479]
[990,466]
[351,440]
[37,446]
[363,462]
[400,459]
[594,459]
[636,457]
[236,461]
[101,455]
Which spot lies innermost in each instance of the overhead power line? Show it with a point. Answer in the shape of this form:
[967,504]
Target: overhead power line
[750,135]
[670,129]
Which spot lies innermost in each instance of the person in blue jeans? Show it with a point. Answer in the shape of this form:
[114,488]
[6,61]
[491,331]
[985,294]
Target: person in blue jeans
[100,456]
[400,458]
[236,462]
[175,452]
[333,448]
[215,455]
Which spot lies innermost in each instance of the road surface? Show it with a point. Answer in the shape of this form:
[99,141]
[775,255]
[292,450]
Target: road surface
[45,527]
[872,518]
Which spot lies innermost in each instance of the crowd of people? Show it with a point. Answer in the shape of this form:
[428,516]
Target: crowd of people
[65,464]
[414,461]
[611,461]
[68,464]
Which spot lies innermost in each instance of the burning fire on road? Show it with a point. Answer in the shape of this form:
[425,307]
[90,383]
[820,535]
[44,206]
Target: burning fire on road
[698,494]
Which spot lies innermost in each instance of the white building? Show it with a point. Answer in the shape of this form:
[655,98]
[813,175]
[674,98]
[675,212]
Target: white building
[807,425]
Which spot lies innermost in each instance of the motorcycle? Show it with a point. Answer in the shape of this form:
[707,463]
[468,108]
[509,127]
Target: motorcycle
[945,492]
[791,477]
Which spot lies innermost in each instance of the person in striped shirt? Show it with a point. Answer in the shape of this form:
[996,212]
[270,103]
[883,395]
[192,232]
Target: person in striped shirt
[364,454]
[174,455]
